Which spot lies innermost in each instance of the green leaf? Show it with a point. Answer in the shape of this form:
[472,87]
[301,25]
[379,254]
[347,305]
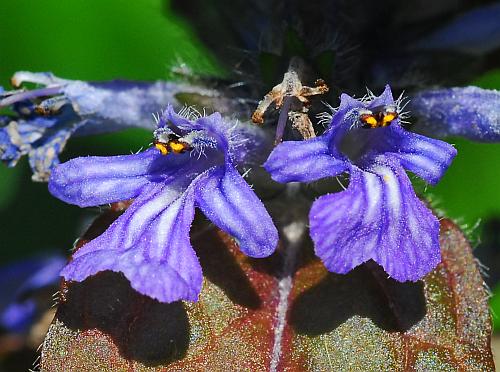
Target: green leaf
[99,40]
[252,317]
[489,80]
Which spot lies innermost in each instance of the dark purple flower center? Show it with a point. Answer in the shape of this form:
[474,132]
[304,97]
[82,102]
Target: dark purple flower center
[359,143]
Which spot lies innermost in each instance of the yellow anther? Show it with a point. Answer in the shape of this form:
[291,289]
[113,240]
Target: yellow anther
[371,121]
[177,147]
[387,119]
[162,147]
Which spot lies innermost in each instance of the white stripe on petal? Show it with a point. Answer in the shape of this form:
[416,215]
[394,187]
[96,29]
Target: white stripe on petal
[373,195]
[378,217]
[393,193]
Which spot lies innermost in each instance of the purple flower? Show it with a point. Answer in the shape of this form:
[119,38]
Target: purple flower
[378,216]
[191,165]
[469,112]
[21,284]
[45,118]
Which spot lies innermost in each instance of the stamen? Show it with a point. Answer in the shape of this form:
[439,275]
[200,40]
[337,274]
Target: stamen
[377,117]
[29,95]
[167,142]
[369,120]
[387,119]
[178,147]
[162,147]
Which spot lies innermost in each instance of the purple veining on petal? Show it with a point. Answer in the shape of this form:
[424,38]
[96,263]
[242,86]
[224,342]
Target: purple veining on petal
[303,161]
[227,200]
[378,217]
[427,157]
[100,180]
[150,245]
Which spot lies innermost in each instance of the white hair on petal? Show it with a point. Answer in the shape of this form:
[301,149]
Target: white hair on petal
[235,137]
[324,118]
[156,117]
[368,97]
[401,103]
[353,116]
[190,113]
[246,172]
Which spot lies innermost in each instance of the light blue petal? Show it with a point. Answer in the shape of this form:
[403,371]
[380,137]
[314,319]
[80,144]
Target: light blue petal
[41,138]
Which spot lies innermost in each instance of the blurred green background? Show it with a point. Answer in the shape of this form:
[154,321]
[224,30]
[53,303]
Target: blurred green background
[86,40]
[142,40]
